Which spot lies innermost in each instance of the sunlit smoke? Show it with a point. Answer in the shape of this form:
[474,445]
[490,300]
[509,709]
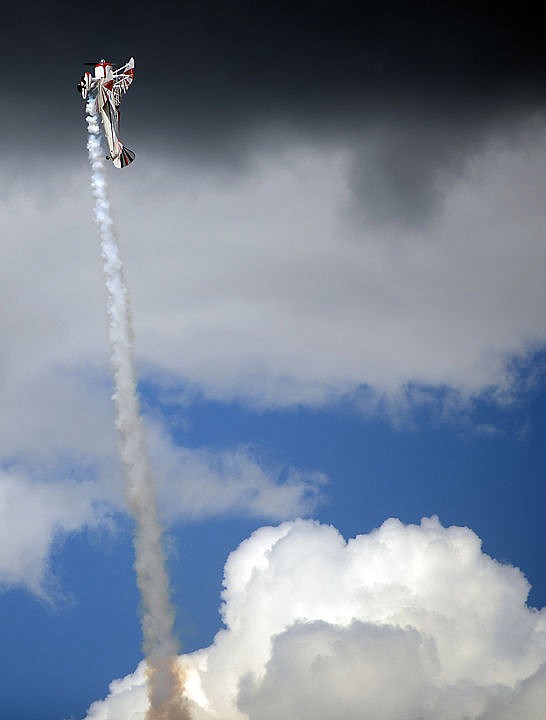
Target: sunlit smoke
[165,679]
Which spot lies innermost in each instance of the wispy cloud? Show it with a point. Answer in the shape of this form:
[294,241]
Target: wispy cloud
[199,483]
[44,498]
[34,518]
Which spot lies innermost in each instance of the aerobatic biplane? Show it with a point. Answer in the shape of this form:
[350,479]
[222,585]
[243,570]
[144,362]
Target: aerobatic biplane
[107,86]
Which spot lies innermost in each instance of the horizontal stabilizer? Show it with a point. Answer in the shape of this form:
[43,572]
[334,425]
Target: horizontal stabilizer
[125,157]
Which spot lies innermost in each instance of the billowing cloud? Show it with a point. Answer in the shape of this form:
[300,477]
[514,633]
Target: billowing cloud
[406,621]
[303,301]
[266,285]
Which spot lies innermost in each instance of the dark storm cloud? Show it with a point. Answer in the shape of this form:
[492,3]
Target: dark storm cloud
[402,167]
[426,84]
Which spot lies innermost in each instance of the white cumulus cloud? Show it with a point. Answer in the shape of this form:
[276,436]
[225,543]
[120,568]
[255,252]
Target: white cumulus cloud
[404,623]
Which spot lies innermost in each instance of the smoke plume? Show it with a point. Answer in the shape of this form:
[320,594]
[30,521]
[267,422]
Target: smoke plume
[165,675]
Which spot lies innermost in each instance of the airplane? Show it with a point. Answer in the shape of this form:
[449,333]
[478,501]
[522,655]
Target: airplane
[107,86]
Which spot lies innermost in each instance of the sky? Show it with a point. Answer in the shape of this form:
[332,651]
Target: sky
[333,240]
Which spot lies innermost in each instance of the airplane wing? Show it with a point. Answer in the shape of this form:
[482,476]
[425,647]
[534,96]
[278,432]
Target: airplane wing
[123,77]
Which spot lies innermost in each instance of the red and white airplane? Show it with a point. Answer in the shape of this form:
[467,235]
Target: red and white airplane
[108,86]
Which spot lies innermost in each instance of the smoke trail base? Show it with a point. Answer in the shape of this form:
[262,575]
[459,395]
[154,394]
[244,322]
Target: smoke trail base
[165,677]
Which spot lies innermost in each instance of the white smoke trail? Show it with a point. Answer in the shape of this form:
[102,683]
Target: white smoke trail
[165,677]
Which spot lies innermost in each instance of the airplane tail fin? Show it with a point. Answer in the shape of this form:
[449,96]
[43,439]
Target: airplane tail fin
[125,157]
